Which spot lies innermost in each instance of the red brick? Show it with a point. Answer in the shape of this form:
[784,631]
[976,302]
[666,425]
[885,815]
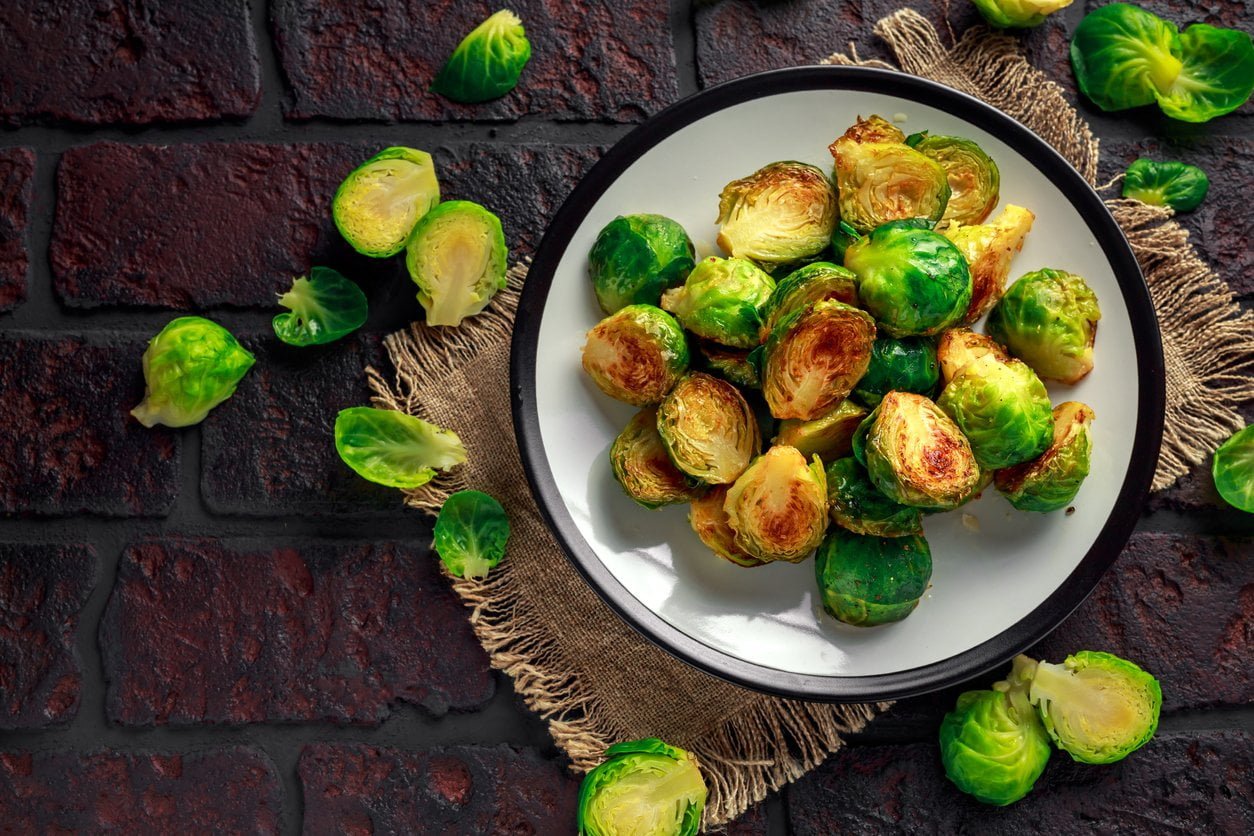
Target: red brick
[127,62]
[752,823]
[348,60]
[42,590]
[227,790]
[229,632]
[355,788]
[17,172]
[70,444]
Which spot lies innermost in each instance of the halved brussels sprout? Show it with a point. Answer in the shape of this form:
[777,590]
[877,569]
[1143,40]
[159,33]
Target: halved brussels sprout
[914,281]
[783,213]
[636,258]
[858,505]
[487,63]
[642,467]
[1048,319]
[829,436]
[708,518]
[1002,408]
[974,180]
[1095,706]
[636,355]
[880,179]
[814,357]
[989,248]
[708,429]
[778,506]
[721,300]
[191,366]
[380,201]
[906,365]
[959,346]
[731,364]
[457,258]
[1169,183]
[1018,14]
[643,787]
[805,286]
[915,454]
[1233,470]
[1052,480]
[866,581]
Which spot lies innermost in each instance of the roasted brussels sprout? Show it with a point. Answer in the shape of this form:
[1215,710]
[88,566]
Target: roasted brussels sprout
[915,454]
[487,63]
[989,248]
[814,357]
[191,366]
[866,581]
[1018,14]
[470,534]
[1179,185]
[380,201]
[913,281]
[778,506]
[636,258]
[829,436]
[643,788]
[907,365]
[321,309]
[1095,706]
[641,466]
[801,288]
[858,505]
[731,364]
[959,346]
[722,300]
[708,518]
[1233,470]
[394,449]
[457,258]
[1052,480]
[781,214]
[636,355]
[1048,319]
[1002,408]
[880,179]
[708,429]
[974,180]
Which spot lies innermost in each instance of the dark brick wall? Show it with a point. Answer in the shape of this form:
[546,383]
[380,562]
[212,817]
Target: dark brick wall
[222,628]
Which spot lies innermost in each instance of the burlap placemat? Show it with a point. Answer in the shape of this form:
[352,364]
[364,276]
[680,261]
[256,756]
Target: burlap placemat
[592,677]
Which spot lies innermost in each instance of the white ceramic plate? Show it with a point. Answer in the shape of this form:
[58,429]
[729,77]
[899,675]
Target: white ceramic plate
[994,590]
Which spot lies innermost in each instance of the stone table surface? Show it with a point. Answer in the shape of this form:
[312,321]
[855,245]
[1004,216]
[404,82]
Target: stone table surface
[222,628]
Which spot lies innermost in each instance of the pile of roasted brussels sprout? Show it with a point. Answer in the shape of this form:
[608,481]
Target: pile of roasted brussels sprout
[837,325]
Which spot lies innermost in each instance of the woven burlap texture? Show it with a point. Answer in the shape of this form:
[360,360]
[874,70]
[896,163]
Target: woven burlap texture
[592,677]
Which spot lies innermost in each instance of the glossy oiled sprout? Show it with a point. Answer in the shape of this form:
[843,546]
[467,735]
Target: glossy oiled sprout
[857,505]
[642,467]
[708,429]
[781,214]
[1179,185]
[636,258]
[866,581]
[829,436]
[778,506]
[1002,408]
[457,257]
[190,367]
[1052,480]
[905,365]
[814,357]
[380,201]
[721,300]
[643,788]
[805,286]
[1018,14]
[1048,319]
[880,179]
[731,364]
[989,249]
[974,180]
[708,519]
[636,355]
[487,63]
[959,346]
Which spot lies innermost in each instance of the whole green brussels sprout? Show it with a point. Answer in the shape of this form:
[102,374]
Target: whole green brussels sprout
[1018,14]
[803,287]
[857,505]
[637,257]
[708,428]
[731,364]
[1052,480]
[778,506]
[1179,185]
[380,201]
[191,366]
[1002,408]
[643,469]
[457,258]
[907,365]
[644,787]
[1048,319]
[974,179]
[880,179]
[783,213]
[708,518]
[814,357]
[722,300]
[487,63]
[959,346]
[829,436]
[989,248]
[636,355]
[867,581]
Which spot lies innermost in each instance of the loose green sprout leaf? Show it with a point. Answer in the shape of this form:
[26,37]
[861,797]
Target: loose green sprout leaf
[1018,14]
[1178,185]
[803,287]
[190,367]
[642,467]
[1216,76]
[636,355]
[380,201]
[906,365]
[394,449]
[857,505]
[470,534]
[844,235]
[708,519]
[783,213]
[989,248]
[708,429]
[1233,470]
[866,581]
[778,506]
[1002,408]
[829,436]
[721,300]
[1052,480]
[814,357]
[487,63]
[457,258]
[974,180]
[322,308]
[643,788]
[636,258]
[880,179]
[1048,319]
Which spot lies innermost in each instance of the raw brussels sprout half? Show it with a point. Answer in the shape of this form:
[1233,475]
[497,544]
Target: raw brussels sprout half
[721,300]
[867,581]
[805,286]
[959,346]
[989,248]
[487,63]
[993,745]
[778,506]
[814,357]
[906,365]
[642,467]
[857,505]
[636,355]
[644,787]
[191,366]
[457,258]
[321,309]
[783,213]
[1052,480]
[1002,408]
[470,534]
[380,201]
[731,364]
[914,281]
[1179,185]
[829,436]
[637,257]
[974,180]
[708,519]
[1018,14]
[1048,319]
[1233,470]
[394,449]
[708,429]
[880,179]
